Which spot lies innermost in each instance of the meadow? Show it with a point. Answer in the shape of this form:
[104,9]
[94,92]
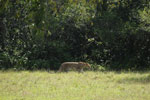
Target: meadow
[42,85]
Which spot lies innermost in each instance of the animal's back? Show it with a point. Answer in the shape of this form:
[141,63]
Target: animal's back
[70,63]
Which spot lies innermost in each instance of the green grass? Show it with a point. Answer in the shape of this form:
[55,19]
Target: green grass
[41,85]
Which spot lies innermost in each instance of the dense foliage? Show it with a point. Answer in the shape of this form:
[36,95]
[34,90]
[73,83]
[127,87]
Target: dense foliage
[41,34]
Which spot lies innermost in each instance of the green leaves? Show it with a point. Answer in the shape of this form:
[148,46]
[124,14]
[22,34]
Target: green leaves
[3,6]
[52,31]
[77,14]
[144,17]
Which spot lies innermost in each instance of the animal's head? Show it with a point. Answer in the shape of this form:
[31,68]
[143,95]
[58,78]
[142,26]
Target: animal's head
[85,64]
[88,65]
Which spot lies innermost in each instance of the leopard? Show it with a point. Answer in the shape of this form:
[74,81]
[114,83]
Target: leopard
[75,66]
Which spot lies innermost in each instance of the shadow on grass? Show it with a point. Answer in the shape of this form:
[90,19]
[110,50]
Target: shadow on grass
[140,79]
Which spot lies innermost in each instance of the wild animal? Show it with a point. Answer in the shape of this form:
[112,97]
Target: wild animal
[78,66]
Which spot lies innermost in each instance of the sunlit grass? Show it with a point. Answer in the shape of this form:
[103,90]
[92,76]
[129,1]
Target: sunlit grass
[42,85]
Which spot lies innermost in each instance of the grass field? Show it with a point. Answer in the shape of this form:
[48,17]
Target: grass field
[41,85]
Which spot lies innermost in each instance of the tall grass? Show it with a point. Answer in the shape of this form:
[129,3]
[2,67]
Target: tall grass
[42,85]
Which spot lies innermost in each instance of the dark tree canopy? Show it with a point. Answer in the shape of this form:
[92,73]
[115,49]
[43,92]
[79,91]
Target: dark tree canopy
[41,34]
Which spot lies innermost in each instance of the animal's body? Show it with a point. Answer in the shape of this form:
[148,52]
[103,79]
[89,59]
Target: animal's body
[79,66]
